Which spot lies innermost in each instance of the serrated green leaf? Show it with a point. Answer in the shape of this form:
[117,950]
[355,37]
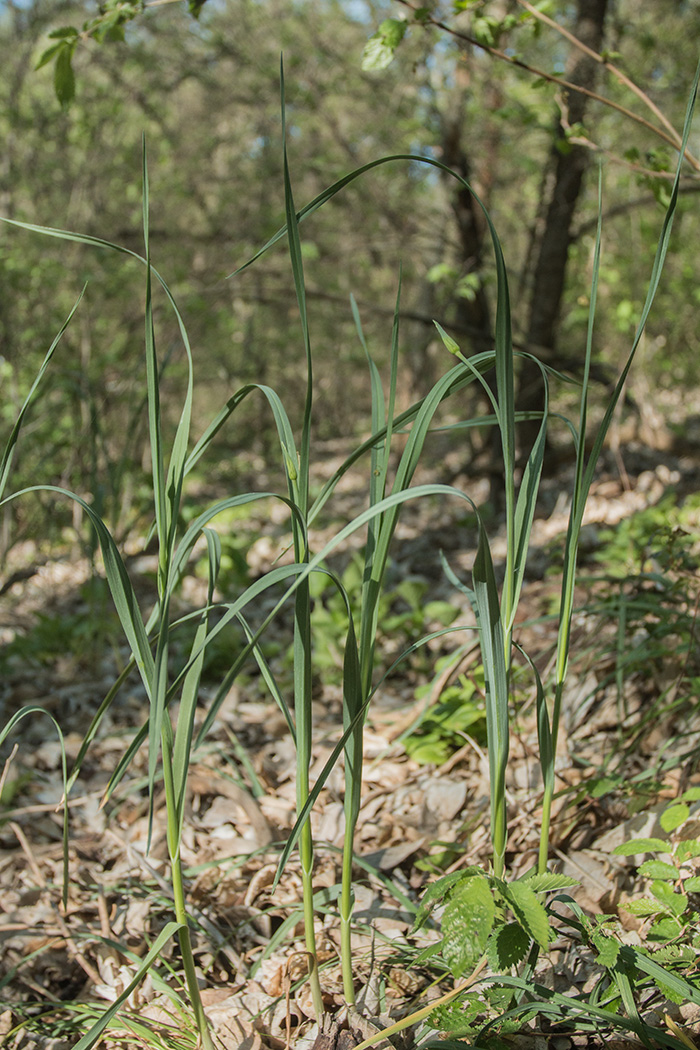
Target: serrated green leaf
[680,904]
[48,54]
[64,33]
[634,846]
[548,881]
[467,924]
[608,949]
[642,907]
[529,911]
[508,946]
[436,892]
[687,849]
[674,816]
[658,869]
[674,953]
[692,885]
[691,795]
[669,993]
[672,901]
[664,929]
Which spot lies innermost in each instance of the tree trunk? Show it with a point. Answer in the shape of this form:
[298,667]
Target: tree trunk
[560,192]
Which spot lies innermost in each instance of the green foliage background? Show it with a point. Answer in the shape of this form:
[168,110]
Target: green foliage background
[206,95]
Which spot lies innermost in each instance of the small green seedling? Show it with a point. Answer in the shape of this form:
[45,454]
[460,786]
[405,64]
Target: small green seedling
[670,910]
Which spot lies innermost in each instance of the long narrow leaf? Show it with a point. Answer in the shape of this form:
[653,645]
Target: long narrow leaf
[123,595]
[6,461]
[91,1037]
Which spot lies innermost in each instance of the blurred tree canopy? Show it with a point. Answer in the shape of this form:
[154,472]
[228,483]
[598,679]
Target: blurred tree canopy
[453,83]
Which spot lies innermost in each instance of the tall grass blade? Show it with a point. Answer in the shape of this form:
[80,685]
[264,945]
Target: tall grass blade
[495,658]
[91,1037]
[8,454]
[298,480]
[585,471]
[123,596]
[188,700]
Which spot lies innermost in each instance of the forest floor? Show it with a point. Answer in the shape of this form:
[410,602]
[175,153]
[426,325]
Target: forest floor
[629,732]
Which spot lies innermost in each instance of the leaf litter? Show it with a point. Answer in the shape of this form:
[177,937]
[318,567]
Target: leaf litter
[415,821]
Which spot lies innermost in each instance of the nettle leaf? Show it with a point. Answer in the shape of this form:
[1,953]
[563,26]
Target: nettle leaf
[508,946]
[457,1017]
[674,816]
[548,881]
[629,849]
[658,869]
[379,49]
[692,885]
[467,924]
[529,911]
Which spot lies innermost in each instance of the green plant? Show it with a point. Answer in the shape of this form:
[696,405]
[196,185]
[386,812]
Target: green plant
[458,715]
[151,638]
[402,614]
[485,918]
[495,617]
[669,912]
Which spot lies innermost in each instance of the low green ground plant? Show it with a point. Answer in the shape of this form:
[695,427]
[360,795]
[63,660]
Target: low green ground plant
[459,715]
[404,615]
[488,921]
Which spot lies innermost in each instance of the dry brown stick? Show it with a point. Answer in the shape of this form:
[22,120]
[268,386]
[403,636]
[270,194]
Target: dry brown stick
[46,807]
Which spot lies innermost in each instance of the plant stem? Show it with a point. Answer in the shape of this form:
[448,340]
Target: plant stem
[306,854]
[188,958]
[179,895]
[548,795]
[347,903]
